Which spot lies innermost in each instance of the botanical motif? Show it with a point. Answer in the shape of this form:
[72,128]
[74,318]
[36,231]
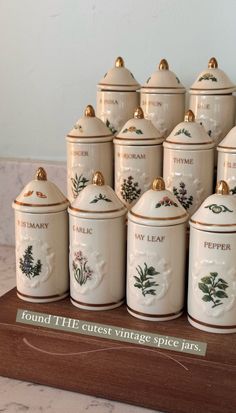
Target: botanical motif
[233,190]
[78,126]
[130,190]
[40,194]
[143,281]
[78,183]
[208,76]
[147,81]
[100,197]
[213,289]
[27,266]
[82,272]
[177,79]
[133,129]
[184,131]
[181,195]
[217,209]
[111,127]
[29,193]
[166,201]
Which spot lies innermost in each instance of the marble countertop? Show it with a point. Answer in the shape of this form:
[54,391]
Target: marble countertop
[18,396]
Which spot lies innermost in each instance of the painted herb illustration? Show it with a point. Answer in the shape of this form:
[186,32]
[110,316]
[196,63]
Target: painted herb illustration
[144,280]
[233,190]
[208,76]
[130,189]
[147,81]
[133,129]
[177,79]
[82,272]
[78,183]
[184,131]
[181,195]
[78,126]
[166,201]
[100,197]
[213,289]
[111,127]
[27,266]
[217,209]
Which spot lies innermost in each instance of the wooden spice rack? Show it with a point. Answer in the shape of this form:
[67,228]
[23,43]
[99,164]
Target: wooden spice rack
[159,379]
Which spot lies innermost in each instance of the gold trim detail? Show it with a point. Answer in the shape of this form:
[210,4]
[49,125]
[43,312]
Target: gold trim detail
[98,305]
[41,174]
[210,325]
[113,84]
[138,114]
[88,137]
[222,188]
[212,225]
[98,179]
[89,112]
[212,64]
[119,62]
[156,315]
[43,297]
[189,116]
[142,139]
[189,143]
[164,87]
[163,65]
[40,205]
[227,147]
[158,219]
[219,88]
[158,184]
[96,212]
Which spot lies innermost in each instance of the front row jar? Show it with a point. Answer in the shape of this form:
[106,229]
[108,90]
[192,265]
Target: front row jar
[41,228]
[212,272]
[97,247]
[156,255]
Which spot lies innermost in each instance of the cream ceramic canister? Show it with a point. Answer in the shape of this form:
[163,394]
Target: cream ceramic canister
[156,255]
[138,158]
[226,167]
[117,96]
[163,99]
[97,247]
[41,229]
[212,101]
[189,163]
[212,271]
[89,148]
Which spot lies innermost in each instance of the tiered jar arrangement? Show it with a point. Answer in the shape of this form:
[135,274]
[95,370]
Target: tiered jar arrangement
[158,209]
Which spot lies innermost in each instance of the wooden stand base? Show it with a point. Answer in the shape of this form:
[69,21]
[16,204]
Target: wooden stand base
[159,379]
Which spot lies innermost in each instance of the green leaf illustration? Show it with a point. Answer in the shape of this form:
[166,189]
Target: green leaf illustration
[100,197]
[221,294]
[217,209]
[213,288]
[78,183]
[206,280]
[27,266]
[145,280]
[130,190]
[181,195]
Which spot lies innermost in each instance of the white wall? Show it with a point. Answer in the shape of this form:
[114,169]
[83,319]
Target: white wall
[53,52]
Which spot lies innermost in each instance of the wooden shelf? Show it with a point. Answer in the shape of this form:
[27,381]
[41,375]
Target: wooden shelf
[159,379]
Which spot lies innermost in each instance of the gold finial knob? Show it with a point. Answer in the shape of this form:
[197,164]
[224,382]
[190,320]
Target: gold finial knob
[212,64]
[138,114]
[89,112]
[189,116]
[98,179]
[119,62]
[158,184]
[41,174]
[222,188]
[163,65]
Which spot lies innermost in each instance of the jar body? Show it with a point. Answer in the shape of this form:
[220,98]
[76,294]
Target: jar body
[189,175]
[156,271]
[116,108]
[97,262]
[135,169]
[212,286]
[215,112]
[42,256]
[83,160]
[164,110]
[226,169]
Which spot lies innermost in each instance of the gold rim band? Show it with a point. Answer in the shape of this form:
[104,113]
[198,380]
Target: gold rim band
[113,84]
[212,225]
[43,297]
[155,315]
[157,219]
[227,147]
[189,143]
[219,88]
[138,140]
[88,137]
[40,205]
[98,305]
[96,212]
[163,87]
[210,325]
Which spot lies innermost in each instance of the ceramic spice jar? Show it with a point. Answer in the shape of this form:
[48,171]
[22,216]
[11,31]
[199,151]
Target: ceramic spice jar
[226,167]
[138,158]
[117,96]
[212,101]
[89,148]
[189,163]
[41,229]
[163,99]
[97,247]
[212,271]
[156,255]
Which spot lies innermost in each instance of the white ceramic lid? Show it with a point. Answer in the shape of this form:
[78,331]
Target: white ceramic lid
[158,207]
[163,80]
[89,129]
[218,212]
[212,81]
[139,131]
[228,144]
[119,78]
[97,200]
[189,135]
[40,196]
